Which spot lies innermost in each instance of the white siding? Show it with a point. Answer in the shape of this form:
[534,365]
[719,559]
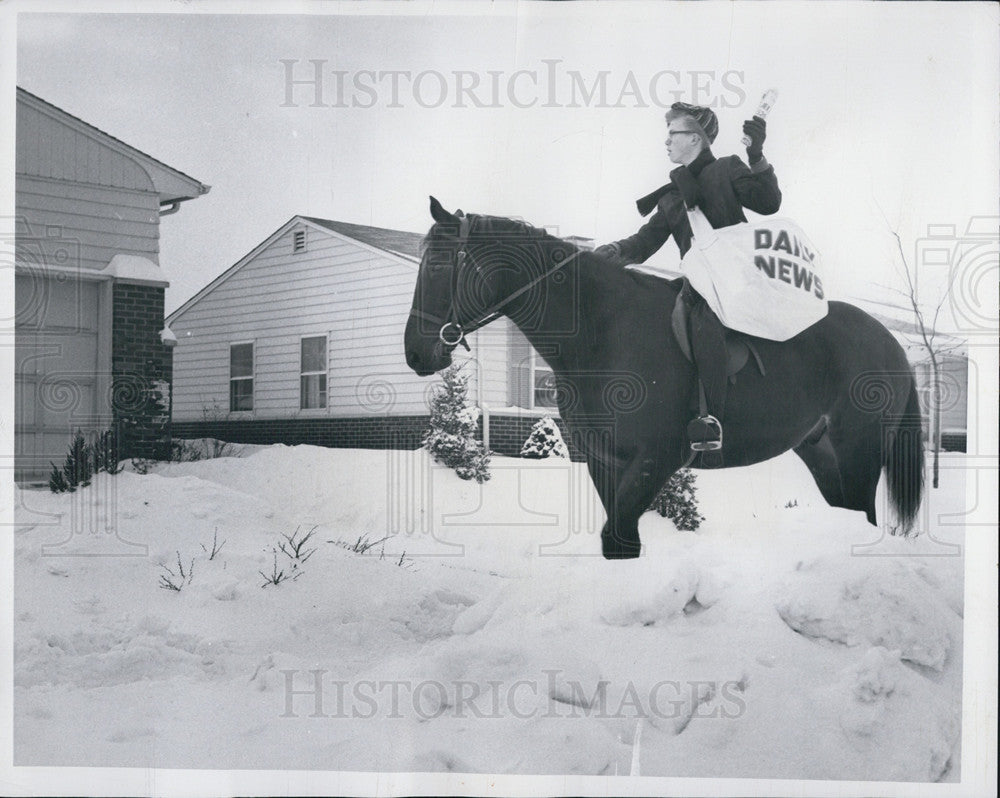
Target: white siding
[493,358]
[83,226]
[520,388]
[359,298]
[47,147]
[504,365]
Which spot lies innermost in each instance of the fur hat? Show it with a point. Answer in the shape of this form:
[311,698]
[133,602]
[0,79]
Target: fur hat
[704,118]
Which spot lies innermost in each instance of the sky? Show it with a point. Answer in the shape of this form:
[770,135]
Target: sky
[886,117]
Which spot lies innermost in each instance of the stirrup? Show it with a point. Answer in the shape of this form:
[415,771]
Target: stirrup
[708,445]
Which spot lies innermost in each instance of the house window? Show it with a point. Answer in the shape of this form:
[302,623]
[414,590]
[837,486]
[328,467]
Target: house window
[544,382]
[313,373]
[240,377]
[299,241]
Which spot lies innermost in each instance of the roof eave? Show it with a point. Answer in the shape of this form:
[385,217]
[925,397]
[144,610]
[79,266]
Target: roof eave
[170,183]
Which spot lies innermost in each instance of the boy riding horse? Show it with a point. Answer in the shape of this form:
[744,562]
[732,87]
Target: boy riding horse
[721,188]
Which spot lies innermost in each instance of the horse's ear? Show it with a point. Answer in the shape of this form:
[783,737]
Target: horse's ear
[440,215]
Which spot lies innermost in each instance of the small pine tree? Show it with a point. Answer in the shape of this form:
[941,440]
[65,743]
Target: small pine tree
[57,482]
[676,501]
[451,440]
[545,440]
[78,467]
[106,452]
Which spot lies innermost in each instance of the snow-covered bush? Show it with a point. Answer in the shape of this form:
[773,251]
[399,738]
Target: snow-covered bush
[193,450]
[451,440]
[676,501]
[545,440]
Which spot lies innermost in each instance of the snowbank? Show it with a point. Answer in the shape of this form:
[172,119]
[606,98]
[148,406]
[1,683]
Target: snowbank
[433,624]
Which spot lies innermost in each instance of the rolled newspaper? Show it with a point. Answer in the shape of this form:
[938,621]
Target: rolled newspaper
[763,109]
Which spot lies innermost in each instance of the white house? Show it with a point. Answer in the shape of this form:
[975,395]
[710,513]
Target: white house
[301,341]
[88,287]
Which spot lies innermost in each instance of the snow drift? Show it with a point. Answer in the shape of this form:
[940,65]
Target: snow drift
[442,625]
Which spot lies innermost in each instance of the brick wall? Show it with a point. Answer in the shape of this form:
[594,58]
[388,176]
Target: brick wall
[507,433]
[953,441]
[139,360]
[371,432]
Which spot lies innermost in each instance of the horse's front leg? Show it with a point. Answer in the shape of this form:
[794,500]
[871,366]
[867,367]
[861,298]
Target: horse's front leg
[636,484]
[615,544]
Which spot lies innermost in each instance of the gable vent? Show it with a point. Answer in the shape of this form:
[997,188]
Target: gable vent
[299,241]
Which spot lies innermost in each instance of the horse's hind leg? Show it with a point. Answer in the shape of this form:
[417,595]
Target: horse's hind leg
[817,453]
[845,460]
[857,445]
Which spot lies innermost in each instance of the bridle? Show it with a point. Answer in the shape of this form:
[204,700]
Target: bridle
[453,332]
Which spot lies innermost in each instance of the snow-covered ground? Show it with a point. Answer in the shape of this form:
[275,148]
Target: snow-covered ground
[784,639]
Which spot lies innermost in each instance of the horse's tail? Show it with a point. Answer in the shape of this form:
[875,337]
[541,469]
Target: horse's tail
[904,462]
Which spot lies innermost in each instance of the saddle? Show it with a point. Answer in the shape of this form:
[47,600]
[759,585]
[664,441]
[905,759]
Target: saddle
[739,346]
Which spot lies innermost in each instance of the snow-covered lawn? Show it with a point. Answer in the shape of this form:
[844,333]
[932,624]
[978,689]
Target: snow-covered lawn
[783,639]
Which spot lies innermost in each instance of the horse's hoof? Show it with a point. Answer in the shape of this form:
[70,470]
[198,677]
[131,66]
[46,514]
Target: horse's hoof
[614,550]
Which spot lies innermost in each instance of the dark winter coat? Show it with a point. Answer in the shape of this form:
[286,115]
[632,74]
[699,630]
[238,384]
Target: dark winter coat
[721,187]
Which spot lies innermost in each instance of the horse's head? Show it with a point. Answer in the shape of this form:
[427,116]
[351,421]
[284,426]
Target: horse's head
[464,276]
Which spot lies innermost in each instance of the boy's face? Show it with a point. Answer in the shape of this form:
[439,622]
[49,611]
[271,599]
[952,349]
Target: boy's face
[683,142]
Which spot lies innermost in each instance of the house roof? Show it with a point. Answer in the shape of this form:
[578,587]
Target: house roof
[900,319]
[172,184]
[394,241]
[899,325]
[402,246]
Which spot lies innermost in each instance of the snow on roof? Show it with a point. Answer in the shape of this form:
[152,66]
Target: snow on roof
[135,269]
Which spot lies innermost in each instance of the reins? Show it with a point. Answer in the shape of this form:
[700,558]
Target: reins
[491,313]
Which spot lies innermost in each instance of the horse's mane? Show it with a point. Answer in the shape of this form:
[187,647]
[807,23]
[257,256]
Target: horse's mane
[481,223]
[512,229]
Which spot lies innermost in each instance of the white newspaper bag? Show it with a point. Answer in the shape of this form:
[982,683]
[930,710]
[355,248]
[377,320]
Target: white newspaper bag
[761,278]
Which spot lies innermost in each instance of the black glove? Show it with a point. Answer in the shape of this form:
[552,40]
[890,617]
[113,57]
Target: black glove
[687,185]
[611,253]
[756,130]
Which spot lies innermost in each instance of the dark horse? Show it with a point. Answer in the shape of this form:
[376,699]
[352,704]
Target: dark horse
[841,394]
